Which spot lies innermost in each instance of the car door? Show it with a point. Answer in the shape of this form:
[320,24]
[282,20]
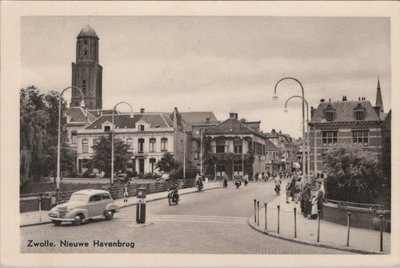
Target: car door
[95,205]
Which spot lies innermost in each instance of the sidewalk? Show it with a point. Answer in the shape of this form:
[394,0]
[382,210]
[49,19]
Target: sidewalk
[331,235]
[37,218]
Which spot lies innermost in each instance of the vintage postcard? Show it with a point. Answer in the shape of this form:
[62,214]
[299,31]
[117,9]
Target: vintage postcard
[199,134]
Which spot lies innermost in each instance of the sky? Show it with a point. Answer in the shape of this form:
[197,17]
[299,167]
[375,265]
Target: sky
[220,64]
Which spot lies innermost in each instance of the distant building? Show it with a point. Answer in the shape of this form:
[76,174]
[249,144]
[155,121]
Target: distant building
[148,136]
[195,124]
[228,146]
[349,122]
[288,150]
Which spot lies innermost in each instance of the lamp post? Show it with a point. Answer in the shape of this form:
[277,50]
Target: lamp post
[275,97]
[59,131]
[308,132]
[201,152]
[112,138]
[183,141]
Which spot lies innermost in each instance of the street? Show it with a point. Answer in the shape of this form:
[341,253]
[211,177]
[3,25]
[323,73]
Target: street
[210,222]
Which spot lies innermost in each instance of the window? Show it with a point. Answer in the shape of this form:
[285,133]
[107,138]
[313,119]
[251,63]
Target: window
[95,198]
[220,146]
[237,147]
[85,163]
[359,115]
[129,143]
[140,145]
[105,196]
[164,144]
[329,138]
[196,149]
[141,127]
[85,42]
[329,116]
[84,86]
[152,162]
[74,136]
[107,128]
[360,137]
[85,146]
[152,145]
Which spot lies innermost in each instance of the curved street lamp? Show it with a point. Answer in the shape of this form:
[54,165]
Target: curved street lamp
[59,130]
[112,138]
[308,131]
[275,97]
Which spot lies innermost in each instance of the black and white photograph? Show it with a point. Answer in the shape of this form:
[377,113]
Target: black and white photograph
[219,134]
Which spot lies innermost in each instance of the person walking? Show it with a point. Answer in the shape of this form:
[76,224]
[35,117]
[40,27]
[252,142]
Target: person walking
[305,200]
[126,194]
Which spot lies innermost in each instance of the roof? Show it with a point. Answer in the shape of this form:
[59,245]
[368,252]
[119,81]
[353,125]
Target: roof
[87,31]
[232,126]
[269,146]
[198,118]
[125,121]
[91,192]
[98,112]
[79,115]
[344,111]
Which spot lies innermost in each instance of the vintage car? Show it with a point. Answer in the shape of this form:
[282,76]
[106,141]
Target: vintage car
[84,205]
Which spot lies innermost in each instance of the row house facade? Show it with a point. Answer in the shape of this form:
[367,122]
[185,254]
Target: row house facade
[348,122]
[235,138]
[287,147]
[148,137]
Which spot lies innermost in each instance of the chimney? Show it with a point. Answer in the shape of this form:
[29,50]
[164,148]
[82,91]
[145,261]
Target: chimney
[312,111]
[322,100]
[236,116]
[232,115]
[243,120]
[344,98]
[208,120]
[142,110]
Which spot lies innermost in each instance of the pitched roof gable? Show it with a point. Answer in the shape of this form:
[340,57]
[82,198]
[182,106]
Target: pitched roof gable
[124,121]
[344,111]
[232,126]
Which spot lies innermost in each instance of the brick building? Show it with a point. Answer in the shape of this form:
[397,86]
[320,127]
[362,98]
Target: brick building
[348,122]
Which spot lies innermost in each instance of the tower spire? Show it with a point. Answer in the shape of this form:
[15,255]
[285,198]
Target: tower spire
[379,102]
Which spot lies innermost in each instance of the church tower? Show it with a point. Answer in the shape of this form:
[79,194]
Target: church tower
[87,72]
[379,102]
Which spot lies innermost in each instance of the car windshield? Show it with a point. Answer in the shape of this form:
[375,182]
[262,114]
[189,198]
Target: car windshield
[78,198]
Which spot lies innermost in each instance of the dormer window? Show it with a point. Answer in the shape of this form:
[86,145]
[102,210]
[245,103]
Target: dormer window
[359,112]
[107,128]
[141,127]
[329,112]
[329,116]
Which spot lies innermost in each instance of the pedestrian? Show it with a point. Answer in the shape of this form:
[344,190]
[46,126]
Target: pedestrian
[260,177]
[225,182]
[290,190]
[126,193]
[305,200]
[317,202]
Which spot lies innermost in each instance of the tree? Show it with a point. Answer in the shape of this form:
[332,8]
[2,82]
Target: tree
[167,163]
[38,135]
[353,174]
[102,157]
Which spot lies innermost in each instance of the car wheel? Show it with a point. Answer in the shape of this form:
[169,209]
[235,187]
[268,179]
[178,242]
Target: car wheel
[56,223]
[109,214]
[77,220]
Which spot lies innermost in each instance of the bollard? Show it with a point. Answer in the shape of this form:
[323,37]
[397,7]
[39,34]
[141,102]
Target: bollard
[319,221]
[381,229]
[40,207]
[265,205]
[279,208]
[348,228]
[295,227]
[258,213]
[255,211]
